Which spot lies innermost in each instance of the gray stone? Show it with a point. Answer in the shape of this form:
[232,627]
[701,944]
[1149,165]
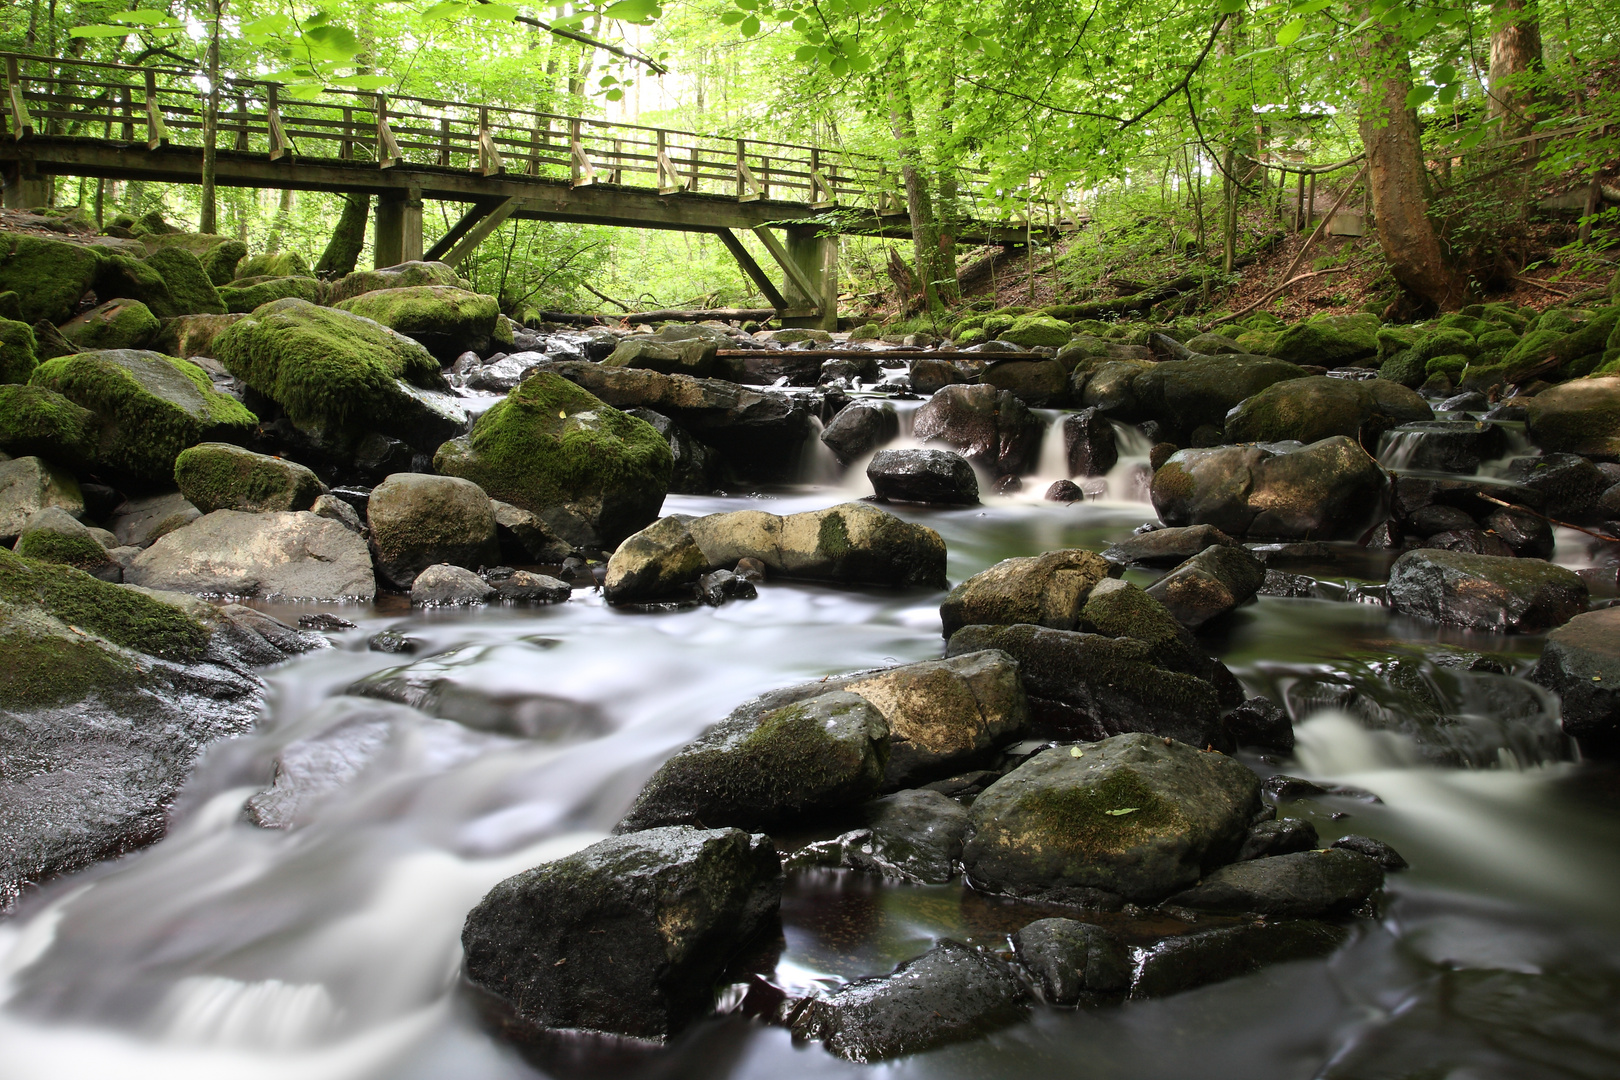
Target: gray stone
[288,555]
[1318,407]
[1386,856]
[522,587]
[140,522]
[859,429]
[1209,584]
[1069,958]
[936,477]
[1568,483]
[1485,592]
[913,836]
[524,535]
[1089,441]
[1183,395]
[335,509]
[29,485]
[1282,836]
[1446,445]
[1209,956]
[57,536]
[1580,662]
[983,424]
[1305,884]
[1167,547]
[1045,590]
[443,585]
[1260,722]
[418,520]
[698,469]
[694,357]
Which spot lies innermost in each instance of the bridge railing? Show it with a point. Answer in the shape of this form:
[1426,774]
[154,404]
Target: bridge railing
[159,106]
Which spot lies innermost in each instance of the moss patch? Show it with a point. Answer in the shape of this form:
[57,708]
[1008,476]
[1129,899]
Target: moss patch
[250,297]
[48,276]
[833,537]
[120,615]
[1108,817]
[44,669]
[215,476]
[80,551]
[34,420]
[117,324]
[127,278]
[466,319]
[188,281]
[278,264]
[17,356]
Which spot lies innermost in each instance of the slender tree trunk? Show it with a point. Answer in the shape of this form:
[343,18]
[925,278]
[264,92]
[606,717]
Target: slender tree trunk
[1515,57]
[272,243]
[207,219]
[925,234]
[1397,180]
[343,250]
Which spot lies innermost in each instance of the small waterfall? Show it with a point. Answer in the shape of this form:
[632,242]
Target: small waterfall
[817,463]
[1132,475]
[1397,448]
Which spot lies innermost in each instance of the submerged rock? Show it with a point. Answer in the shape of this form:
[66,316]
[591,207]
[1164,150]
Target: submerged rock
[627,937]
[1069,958]
[1209,956]
[1580,662]
[913,836]
[444,585]
[289,555]
[1166,547]
[1044,590]
[1304,884]
[936,477]
[1485,592]
[949,994]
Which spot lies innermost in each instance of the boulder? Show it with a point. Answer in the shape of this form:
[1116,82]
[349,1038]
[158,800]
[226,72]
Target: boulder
[1260,722]
[762,767]
[912,836]
[446,320]
[524,537]
[1119,609]
[291,555]
[218,255]
[117,324]
[246,295]
[273,264]
[49,277]
[29,485]
[1040,384]
[1580,662]
[335,509]
[949,994]
[1166,547]
[1568,484]
[18,352]
[983,424]
[402,276]
[1209,584]
[860,429]
[930,376]
[936,477]
[37,421]
[593,473]
[1281,836]
[1089,443]
[188,281]
[1210,956]
[1069,958]
[1445,445]
[443,585]
[192,335]
[54,535]
[1184,395]
[522,587]
[1581,416]
[1328,340]
[1485,592]
[1329,490]
[697,468]
[1377,850]
[1318,407]
[1132,818]
[1304,884]
[627,937]
[693,357]
[140,521]
[1106,384]
[1045,590]
[220,476]
[150,407]
[418,521]
[1034,331]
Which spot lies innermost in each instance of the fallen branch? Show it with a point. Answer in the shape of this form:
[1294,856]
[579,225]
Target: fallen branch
[1136,302]
[1540,285]
[1291,281]
[604,296]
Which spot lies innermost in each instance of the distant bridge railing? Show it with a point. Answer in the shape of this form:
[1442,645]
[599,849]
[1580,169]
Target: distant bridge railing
[161,106]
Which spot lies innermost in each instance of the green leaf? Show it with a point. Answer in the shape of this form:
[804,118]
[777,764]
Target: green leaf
[1229,7]
[1473,138]
[1444,75]
[364,82]
[1420,26]
[1447,95]
[750,26]
[860,62]
[748,5]
[494,12]
[1452,16]
[106,31]
[804,53]
[614,95]
[337,40]
[1123,812]
[448,9]
[632,11]
[1418,95]
[1290,33]
[839,67]
[731,18]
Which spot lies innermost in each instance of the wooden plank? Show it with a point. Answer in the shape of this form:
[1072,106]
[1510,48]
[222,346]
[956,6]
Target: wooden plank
[22,124]
[478,231]
[755,272]
[388,154]
[669,180]
[472,216]
[157,132]
[779,252]
[583,171]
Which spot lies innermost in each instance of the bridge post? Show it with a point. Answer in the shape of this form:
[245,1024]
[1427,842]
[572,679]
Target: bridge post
[816,255]
[25,188]
[397,233]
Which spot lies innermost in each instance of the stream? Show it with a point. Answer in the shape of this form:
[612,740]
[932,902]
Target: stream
[332,950]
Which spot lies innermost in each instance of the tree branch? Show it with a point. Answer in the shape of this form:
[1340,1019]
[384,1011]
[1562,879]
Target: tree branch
[584,39]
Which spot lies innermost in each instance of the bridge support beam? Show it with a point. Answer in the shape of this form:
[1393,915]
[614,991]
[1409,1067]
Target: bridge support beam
[397,232]
[24,188]
[816,257]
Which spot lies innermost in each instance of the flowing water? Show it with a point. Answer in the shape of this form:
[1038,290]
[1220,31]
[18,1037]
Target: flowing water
[331,950]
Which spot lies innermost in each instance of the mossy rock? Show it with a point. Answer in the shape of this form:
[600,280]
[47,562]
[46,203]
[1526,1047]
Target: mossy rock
[1263,320]
[969,338]
[192,335]
[48,276]
[279,264]
[1581,366]
[1591,336]
[1534,351]
[1257,342]
[1034,331]
[1579,417]
[41,422]
[117,324]
[1319,407]
[1406,367]
[1452,365]
[242,299]
[325,367]
[1469,324]
[218,255]
[220,476]
[405,275]
[188,281]
[446,320]
[1558,320]
[1498,342]
[1482,377]
[1213,344]
[972,322]
[869,332]
[1396,339]
[11,306]
[1329,340]
[150,406]
[1094,327]
[996,325]
[54,535]
[127,278]
[551,444]
[17,351]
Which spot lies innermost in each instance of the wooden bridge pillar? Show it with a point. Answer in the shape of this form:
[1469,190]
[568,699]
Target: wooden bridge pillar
[24,188]
[816,257]
[397,231]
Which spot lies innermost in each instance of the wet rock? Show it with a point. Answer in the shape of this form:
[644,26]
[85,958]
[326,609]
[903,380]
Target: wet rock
[1039,384]
[1284,788]
[671,908]
[1069,958]
[392,641]
[1064,491]
[949,994]
[1092,687]
[1045,590]
[1485,592]
[1581,416]
[751,569]
[502,375]
[29,485]
[936,477]
[717,587]
[694,357]
[1570,484]
[1318,407]
[767,766]
[54,535]
[1210,956]
[139,522]
[291,555]
[523,536]
[1446,445]
[1580,662]
[930,376]
[1260,722]
[443,585]
[1306,884]
[1438,518]
[985,425]
[335,509]
[1468,401]
[418,520]
[220,476]
[1133,817]
[1121,610]
[117,324]
[1187,394]
[913,836]
[860,429]
[1387,857]
[1089,440]
[1283,836]
[1209,584]
[1329,490]
[1167,547]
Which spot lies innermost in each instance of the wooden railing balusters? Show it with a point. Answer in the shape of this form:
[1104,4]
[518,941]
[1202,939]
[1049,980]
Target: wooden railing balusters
[157,132]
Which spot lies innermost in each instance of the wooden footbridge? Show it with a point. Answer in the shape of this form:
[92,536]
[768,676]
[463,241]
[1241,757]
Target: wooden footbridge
[68,117]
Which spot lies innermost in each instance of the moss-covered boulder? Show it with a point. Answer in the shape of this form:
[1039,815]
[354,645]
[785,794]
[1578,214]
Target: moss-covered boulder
[218,255]
[150,407]
[552,448]
[273,265]
[405,275]
[29,485]
[1183,395]
[1491,593]
[189,284]
[1328,340]
[17,351]
[1040,384]
[1578,417]
[48,276]
[1318,407]
[447,320]
[1032,331]
[253,293]
[220,476]
[1043,590]
[117,324]
[192,335]
[419,521]
[54,535]
[34,420]
[126,277]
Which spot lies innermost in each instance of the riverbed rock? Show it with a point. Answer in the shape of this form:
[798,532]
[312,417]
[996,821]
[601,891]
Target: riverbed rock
[220,476]
[592,473]
[1569,484]
[628,936]
[1485,592]
[1090,443]
[290,555]
[1225,952]
[1134,818]
[1446,445]
[54,535]
[1039,384]
[117,324]
[1260,722]
[188,281]
[1069,958]
[1318,407]
[949,994]
[140,521]
[400,276]
[1302,885]
[693,357]
[1280,836]
[697,469]
[1166,547]
[1184,395]
[1580,662]
[860,429]
[418,520]
[985,425]
[444,585]
[35,421]
[763,767]
[1045,590]
[1209,584]
[445,319]
[149,407]
[932,477]
[29,485]
[1581,416]
[1328,340]
[1119,609]
[1328,490]
[930,376]
[912,836]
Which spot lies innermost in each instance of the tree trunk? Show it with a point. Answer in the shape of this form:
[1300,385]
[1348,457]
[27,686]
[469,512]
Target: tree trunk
[1515,57]
[272,243]
[348,238]
[1395,175]
[207,218]
[925,236]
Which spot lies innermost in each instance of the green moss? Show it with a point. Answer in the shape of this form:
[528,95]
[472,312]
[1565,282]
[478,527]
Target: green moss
[34,420]
[430,309]
[1451,365]
[1329,340]
[402,276]
[1174,482]
[1469,324]
[976,336]
[80,551]
[216,476]
[240,299]
[1496,341]
[1080,816]
[117,324]
[972,322]
[188,281]
[17,357]
[279,264]
[44,669]
[323,365]
[125,278]
[49,276]
[833,537]
[120,615]
[996,324]
[1032,331]
[1257,342]
[1406,367]
[1396,339]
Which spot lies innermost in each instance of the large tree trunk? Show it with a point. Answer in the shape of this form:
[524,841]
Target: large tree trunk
[1396,177]
[348,238]
[932,268]
[1515,55]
